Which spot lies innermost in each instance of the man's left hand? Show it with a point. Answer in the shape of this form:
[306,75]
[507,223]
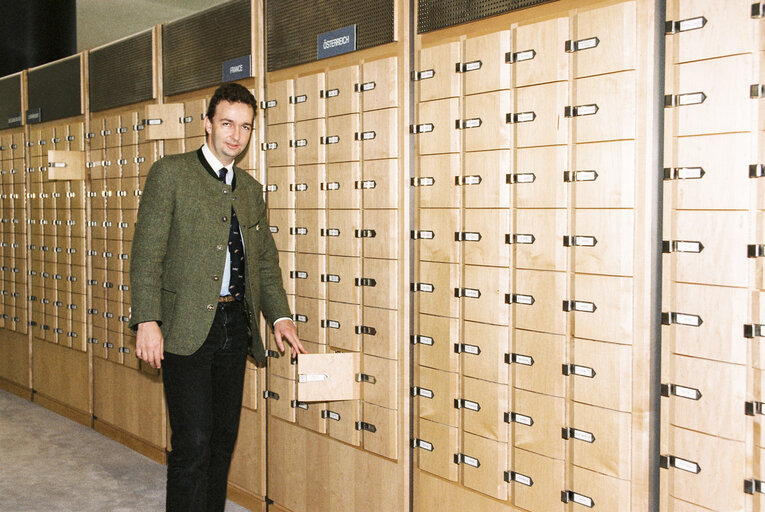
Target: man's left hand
[286,330]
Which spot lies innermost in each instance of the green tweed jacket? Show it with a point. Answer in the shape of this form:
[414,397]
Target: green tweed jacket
[179,252]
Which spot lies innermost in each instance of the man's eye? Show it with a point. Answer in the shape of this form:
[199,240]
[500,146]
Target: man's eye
[248,128]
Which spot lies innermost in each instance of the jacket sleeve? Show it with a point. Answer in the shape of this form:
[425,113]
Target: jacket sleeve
[273,298]
[152,230]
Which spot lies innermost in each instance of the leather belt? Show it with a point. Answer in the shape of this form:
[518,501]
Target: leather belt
[226,298]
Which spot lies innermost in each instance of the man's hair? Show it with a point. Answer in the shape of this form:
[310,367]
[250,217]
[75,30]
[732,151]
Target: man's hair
[233,93]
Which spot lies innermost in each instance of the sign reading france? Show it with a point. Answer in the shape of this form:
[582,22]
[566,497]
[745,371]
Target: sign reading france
[236,69]
[336,42]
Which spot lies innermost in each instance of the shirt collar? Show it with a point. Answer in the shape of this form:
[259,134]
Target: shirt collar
[216,165]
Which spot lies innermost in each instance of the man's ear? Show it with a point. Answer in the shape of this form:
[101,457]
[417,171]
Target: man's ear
[208,126]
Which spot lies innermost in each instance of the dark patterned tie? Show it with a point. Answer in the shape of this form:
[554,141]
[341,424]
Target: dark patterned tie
[235,251]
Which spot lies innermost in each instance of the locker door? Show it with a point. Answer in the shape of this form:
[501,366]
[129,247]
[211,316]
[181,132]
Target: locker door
[341,228]
[723,258]
[717,188]
[379,430]
[484,66]
[308,316]
[485,121]
[604,175]
[193,121]
[435,181]
[604,108]
[307,275]
[537,239]
[308,228]
[435,337]
[484,294]
[278,107]
[378,234]
[308,100]
[339,141]
[435,236]
[343,417]
[435,394]
[698,314]
[604,39]
[537,422]
[537,481]
[340,95]
[484,462]
[598,491]
[380,86]
[600,440]
[537,300]
[379,283]
[339,185]
[602,308]
[379,184]
[340,325]
[307,143]
[725,31]
[437,77]
[281,393]
[603,242]
[597,371]
[484,182]
[438,445]
[484,405]
[277,145]
[380,388]
[379,332]
[379,138]
[280,222]
[306,187]
[342,272]
[434,289]
[436,131]
[537,56]
[707,470]
[537,115]
[537,179]
[537,360]
[483,348]
[722,390]
[702,91]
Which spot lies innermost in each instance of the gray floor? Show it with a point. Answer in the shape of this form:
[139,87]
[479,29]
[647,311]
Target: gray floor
[49,463]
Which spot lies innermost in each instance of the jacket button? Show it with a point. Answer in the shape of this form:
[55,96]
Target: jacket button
[225,191]
[210,307]
[219,247]
[216,277]
[224,219]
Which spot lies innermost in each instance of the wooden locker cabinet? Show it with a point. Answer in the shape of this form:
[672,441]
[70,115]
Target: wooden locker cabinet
[436,77]
[483,294]
[378,430]
[280,394]
[537,421]
[434,289]
[483,463]
[537,299]
[340,142]
[379,184]
[309,312]
[482,349]
[602,308]
[434,338]
[484,122]
[435,394]
[340,324]
[483,237]
[342,272]
[435,235]
[536,482]
[536,177]
[596,371]
[603,175]
[340,96]
[327,377]
[342,418]
[537,237]
[536,362]
[308,229]
[483,182]
[378,233]
[379,283]
[307,98]
[602,41]
[163,121]
[603,243]
[340,232]
[437,445]
[378,330]
[278,106]
[537,115]
[483,405]
[379,88]
[484,66]
[306,187]
[339,185]
[307,142]
[600,440]
[604,108]
[278,145]
[436,131]
[435,182]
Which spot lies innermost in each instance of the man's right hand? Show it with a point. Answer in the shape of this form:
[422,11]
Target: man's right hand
[149,344]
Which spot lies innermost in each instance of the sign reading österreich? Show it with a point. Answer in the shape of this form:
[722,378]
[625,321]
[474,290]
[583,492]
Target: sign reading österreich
[336,42]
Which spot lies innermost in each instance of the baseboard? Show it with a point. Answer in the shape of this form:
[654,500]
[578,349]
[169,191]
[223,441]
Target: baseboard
[246,499]
[16,389]
[83,418]
[139,445]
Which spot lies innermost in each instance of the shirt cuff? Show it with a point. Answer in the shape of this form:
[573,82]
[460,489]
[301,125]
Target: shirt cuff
[282,318]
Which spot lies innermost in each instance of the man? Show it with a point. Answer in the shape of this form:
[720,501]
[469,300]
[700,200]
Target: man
[203,267]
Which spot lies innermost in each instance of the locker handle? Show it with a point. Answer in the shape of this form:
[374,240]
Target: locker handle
[674,27]
[670,246]
[57,164]
[332,185]
[756,171]
[365,329]
[423,392]
[273,354]
[753,485]
[580,306]
[366,86]
[758,10]
[465,124]
[365,185]
[268,146]
[681,100]
[329,93]
[272,188]
[512,476]
[467,236]
[524,177]
[669,318]
[574,176]
[363,377]
[582,371]
[423,75]
[298,405]
[755,250]
[461,458]
[668,390]
[470,293]
[138,127]
[582,44]
[421,128]
[422,340]
[326,413]
[519,359]
[365,135]
[121,130]
[520,117]
[581,499]
[329,139]
[465,348]
[365,233]
[365,281]
[752,408]
[298,187]
[312,377]
[108,345]
[463,403]
[579,435]
[300,318]
[423,234]
[421,443]
[145,122]
[330,324]
[579,241]
[299,143]
[273,229]
[363,425]
[268,104]
[185,120]
[580,110]
[466,67]
[686,173]
[426,181]
[124,350]
[467,180]
[754,330]
[422,287]
[270,394]
[670,461]
[92,341]
[514,417]
[517,298]
[513,57]
[298,99]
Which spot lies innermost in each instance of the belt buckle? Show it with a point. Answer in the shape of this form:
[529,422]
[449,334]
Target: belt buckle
[226,298]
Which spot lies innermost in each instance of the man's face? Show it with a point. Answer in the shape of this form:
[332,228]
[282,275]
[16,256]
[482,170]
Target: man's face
[228,132]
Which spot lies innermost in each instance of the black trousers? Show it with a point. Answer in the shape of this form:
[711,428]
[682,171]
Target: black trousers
[204,400]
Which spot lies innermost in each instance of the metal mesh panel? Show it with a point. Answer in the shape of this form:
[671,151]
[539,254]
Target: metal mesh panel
[10,98]
[435,14]
[292,26]
[195,47]
[121,73]
[56,89]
